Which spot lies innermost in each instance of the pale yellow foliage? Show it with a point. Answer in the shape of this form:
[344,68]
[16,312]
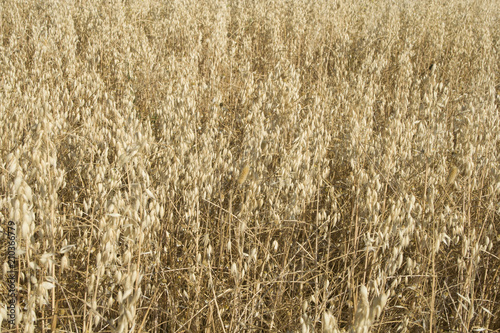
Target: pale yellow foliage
[230,165]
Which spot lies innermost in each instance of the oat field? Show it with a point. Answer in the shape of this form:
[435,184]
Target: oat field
[250,166]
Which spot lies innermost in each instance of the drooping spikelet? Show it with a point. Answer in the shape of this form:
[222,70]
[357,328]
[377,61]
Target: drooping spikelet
[452,176]
[243,174]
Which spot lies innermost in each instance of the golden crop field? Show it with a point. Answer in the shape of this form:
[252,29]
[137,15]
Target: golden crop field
[250,166]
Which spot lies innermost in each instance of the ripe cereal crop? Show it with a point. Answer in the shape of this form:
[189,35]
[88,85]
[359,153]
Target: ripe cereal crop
[250,166]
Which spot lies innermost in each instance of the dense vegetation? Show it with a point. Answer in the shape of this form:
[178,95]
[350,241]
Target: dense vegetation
[229,166]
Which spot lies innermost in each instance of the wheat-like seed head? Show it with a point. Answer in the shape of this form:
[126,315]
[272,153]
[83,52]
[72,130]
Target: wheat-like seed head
[452,175]
[243,174]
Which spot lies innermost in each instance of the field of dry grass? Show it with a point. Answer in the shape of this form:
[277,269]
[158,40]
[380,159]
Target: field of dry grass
[250,166]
